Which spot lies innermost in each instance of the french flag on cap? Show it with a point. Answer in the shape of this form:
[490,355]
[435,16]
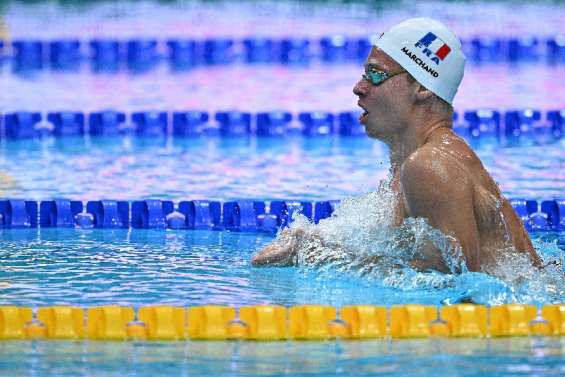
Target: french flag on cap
[436,45]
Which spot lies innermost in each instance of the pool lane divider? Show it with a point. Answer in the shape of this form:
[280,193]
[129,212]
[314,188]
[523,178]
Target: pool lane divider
[238,215]
[142,55]
[485,125]
[273,322]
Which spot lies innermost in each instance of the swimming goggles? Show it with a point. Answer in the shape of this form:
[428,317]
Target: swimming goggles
[376,77]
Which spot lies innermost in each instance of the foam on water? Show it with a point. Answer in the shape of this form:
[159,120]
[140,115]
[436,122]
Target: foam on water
[360,239]
[362,230]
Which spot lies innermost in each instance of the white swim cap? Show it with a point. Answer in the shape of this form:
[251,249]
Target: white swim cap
[429,51]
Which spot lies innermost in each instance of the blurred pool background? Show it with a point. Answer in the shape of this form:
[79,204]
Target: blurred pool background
[186,267]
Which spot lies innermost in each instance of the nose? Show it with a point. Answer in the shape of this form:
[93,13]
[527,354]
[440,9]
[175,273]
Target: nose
[360,87]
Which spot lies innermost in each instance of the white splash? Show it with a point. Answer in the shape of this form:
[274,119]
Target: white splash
[360,239]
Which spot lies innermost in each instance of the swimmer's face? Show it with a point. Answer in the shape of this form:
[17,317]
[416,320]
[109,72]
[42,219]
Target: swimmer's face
[382,104]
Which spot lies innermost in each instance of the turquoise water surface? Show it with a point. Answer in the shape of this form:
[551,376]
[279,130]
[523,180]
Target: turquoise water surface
[88,267]
[446,357]
[145,267]
[179,267]
[131,168]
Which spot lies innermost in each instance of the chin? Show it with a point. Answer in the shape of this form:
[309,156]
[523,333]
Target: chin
[373,132]
[374,135]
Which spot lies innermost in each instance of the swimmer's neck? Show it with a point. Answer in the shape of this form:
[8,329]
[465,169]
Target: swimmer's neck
[405,143]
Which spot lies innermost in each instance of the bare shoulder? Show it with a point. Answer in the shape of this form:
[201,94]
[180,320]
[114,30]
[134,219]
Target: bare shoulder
[444,158]
[433,176]
[431,165]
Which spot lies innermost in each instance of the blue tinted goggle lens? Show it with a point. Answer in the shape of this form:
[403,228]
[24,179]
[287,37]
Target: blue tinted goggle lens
[375,77]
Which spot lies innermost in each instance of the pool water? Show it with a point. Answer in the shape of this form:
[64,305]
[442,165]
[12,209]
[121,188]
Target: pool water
[280,168]
[326,87]
[461,357]
[134,267]
[186,268]
[265,87]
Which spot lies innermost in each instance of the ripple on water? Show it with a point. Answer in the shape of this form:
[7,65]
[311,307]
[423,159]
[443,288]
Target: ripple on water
[360,231]
[138,267]
[285,168]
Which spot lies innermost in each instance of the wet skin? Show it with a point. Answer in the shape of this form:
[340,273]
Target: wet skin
[436,176]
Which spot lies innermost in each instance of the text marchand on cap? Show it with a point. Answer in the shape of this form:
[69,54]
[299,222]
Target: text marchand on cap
[420,62]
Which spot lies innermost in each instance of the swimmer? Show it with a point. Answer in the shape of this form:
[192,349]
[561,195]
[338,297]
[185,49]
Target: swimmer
[406,92]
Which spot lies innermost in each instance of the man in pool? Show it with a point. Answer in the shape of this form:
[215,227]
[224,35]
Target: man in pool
[411,77]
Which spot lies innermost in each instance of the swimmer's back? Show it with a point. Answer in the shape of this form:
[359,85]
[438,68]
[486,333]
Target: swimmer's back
[498,225]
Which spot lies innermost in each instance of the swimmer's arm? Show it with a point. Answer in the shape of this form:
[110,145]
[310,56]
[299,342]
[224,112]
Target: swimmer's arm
[437,189]
[283,252]
[280,253]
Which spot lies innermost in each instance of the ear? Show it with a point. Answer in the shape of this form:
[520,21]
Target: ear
[421,94]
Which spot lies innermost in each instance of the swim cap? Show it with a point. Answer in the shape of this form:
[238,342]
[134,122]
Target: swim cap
[429,51]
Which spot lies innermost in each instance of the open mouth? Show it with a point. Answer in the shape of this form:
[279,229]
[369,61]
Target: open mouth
[363,116]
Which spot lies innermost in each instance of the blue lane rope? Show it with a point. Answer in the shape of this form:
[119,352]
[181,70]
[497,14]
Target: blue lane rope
[483,124]
[183,54]
[237,215]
